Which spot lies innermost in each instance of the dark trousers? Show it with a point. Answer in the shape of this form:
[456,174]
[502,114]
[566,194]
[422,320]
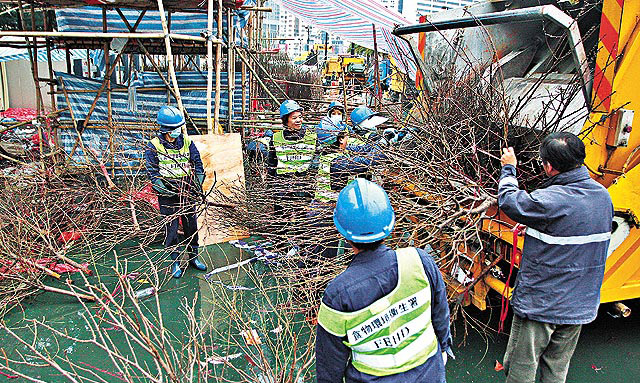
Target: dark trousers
[534,344]
[177,208]
[320,220]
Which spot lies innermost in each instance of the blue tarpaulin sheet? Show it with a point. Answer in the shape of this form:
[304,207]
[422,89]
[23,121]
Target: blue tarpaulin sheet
[130,142]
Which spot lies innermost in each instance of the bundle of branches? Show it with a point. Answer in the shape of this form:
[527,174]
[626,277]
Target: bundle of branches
[49,220]
[241,331]
[442,176]
[295,78]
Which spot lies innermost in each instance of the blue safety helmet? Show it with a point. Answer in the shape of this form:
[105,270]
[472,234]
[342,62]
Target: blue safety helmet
[335,105]
[363,213]
[169,118]
[288,107]
[360,114]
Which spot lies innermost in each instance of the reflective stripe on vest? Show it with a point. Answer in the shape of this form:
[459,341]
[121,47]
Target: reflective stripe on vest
[357,141]
[173,163]
[294,156]
[323,184]
[394,334]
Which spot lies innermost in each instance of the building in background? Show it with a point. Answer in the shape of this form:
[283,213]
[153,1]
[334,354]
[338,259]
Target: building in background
[407,8]
[283,30]
[424,7]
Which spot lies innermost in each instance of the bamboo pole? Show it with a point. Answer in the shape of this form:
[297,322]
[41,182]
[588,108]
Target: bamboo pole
[344,97]
[243,69]
[170,68]
[376,66]
[209,64]
[33,59]
[104,85]
[39,99]
[73,121]
[51,87]
[230,69]
[108,70]
[216,111]
[148,55]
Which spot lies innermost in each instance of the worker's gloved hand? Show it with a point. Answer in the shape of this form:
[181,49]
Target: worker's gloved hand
[444,357]
[201,178]
[161,189]
[391,135]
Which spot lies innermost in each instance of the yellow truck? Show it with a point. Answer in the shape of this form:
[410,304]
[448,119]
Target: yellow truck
[353,67]
[513,37]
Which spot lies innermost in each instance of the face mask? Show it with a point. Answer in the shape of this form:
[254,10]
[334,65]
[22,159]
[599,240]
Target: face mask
[175,133]
[336,119]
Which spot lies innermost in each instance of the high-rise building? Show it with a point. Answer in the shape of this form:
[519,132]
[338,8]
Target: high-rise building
[296,36]
[424,7]
[407,8]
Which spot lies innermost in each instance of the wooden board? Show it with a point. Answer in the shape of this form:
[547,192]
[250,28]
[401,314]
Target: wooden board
[221,153]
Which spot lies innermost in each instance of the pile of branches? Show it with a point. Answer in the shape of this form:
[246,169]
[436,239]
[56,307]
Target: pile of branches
[52,223]
[281,68]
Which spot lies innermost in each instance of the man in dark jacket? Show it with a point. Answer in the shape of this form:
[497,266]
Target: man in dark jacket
[565,249]
[175,168]
[386,317]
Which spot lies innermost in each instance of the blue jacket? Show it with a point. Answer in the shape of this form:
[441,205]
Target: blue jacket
[370,276]
[384,67]
[327,129]
[344,169]
[565,246]
[151,156]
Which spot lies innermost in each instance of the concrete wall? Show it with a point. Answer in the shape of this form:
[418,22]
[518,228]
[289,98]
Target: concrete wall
[21,89]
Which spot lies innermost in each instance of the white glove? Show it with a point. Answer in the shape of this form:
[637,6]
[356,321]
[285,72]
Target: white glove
[444,358]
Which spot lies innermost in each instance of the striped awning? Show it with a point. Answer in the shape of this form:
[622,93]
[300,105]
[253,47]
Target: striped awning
[353,21]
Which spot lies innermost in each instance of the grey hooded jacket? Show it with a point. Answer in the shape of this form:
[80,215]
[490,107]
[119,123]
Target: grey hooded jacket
[565,247]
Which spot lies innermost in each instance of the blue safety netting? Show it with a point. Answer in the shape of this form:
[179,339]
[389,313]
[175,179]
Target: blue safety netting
[131,105]
[89,19]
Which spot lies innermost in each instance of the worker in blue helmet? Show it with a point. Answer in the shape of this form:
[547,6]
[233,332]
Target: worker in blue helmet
[331,124]
[366,123]
[175,168]
[386,317]
[292,149]
[337,165]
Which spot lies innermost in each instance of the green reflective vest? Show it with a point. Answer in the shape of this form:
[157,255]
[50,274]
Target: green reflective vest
[323,182]
[394,334]
[173,163]
[294,156]
[357,141]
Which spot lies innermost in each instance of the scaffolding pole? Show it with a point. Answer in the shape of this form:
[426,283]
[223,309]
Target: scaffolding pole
[231,74]
[216,112]
[209,64]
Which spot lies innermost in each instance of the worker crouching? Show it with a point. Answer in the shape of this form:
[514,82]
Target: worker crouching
[386,317]
[175,168]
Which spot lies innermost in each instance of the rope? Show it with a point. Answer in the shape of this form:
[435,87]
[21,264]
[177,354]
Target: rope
[504,303]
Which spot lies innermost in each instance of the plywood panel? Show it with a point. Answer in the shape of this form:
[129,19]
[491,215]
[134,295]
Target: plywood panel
[221,153]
